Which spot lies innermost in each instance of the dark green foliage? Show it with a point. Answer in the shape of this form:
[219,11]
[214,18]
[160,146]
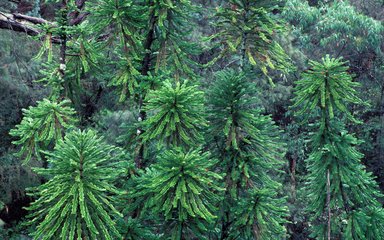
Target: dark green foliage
[178,114]
[352,187]
[328,85]
[247,28]
[41,126]
[338,29]
[16,74]
[241,130]
[83,57]
[193,169]
[260,215]
[77,200]
[124,20]
[123,17]
[174,27]
[336,180]
[132,229]
[249,146]
[182,187]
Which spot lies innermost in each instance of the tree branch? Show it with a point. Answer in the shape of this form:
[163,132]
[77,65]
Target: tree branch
[29,25]
[20,23]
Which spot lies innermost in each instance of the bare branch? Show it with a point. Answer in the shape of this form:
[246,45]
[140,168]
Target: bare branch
[22,23]
[78,19]
[9,21]
[33,20]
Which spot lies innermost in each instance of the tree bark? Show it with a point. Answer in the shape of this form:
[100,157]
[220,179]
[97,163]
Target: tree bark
[144,71]
[21,23]
[292,168]
[63,37]
[328,206]
[29,25]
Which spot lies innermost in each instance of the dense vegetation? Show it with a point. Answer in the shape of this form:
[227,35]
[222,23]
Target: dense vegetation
[192,119]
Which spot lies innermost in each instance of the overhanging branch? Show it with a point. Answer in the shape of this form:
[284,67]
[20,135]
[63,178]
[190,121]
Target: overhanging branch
[29,25]
[20,23]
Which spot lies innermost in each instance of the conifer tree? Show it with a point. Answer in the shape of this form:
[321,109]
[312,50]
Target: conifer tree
[178,114]
[146,57]
[343,196]
[77,200]
[174,28]
[248,144]
[248,28]
[123,19]
[79,52]
[66,34]
[176,189]
[42,126]
[184,190]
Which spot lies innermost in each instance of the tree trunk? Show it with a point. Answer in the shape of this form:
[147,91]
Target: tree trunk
[328,206]
[144,72]
[380,138]
[292,167]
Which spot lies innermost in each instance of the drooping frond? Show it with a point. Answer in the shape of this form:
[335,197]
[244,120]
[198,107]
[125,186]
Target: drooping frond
[178,115]
[182,187]
[41,126]
[326,85]
[77,200]
[260,214]
[339,188]
[248,28]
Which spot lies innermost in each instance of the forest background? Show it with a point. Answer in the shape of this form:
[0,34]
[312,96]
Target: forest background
[308,30]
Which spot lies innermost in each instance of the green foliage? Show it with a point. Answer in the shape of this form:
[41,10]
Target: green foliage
[351,189]
[174,27]
[47,46]
[178,115]
[83,57]
[52,78]
[347,22]
[328,85]
[238,126]
[182,187]
[15,72]
[77,200]
[337,28]
[248,28]
[133,229]
[41,126]
[147,50]
[123,19]
[15,178]
[164,44]
[248,143]
[260,215]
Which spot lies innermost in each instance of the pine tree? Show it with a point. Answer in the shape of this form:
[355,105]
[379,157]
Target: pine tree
[144,58]
[343,196]
[42,126]
[122,19]
[176,188]
[77,200]
[259,215]
[178,114]
[172,38]
[79,52]
[247,28]
[248,144]
[184,190]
